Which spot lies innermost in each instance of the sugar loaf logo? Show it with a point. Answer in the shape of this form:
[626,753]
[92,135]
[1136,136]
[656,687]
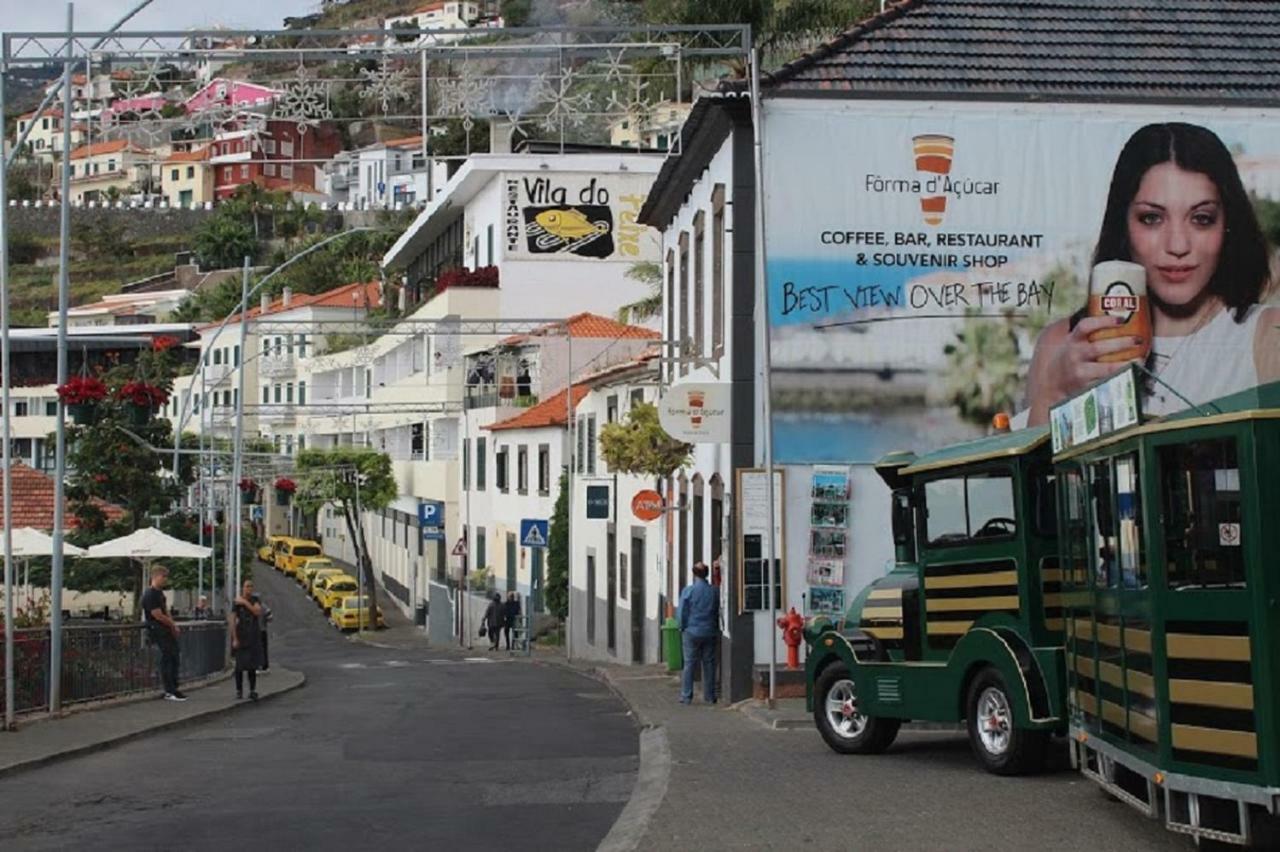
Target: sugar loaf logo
[1119,301]
[933,181]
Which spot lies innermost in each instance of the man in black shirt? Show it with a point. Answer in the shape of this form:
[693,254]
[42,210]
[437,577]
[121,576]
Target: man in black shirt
[163,631]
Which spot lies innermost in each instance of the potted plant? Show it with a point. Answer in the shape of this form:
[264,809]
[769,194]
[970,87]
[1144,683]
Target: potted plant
[284,490]
[81,396]
[141,400]
[249,489]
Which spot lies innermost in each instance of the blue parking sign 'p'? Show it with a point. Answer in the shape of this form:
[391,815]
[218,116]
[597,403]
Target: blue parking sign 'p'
[431,519]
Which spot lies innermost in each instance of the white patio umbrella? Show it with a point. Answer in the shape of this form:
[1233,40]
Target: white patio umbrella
[148,543]
[33,542]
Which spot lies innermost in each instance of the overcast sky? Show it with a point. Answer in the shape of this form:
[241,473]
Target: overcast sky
[25,15]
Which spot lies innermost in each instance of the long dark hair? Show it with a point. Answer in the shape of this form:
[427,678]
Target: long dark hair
[1243,271]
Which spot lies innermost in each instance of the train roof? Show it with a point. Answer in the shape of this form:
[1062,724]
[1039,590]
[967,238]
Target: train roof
[1258,403]
[1002,445]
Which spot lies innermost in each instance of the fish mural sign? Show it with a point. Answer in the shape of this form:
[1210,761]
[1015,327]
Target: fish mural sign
[570,216]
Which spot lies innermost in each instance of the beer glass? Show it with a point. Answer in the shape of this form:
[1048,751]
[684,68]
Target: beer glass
[1118,289]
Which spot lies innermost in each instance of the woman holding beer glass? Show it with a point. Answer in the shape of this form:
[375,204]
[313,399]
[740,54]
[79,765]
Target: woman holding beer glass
[1178,216]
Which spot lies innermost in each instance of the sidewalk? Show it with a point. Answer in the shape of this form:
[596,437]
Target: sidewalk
[85,730]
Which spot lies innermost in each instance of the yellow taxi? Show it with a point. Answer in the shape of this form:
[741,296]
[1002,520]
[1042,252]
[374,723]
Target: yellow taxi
[335,589]
[318,582]
[292,554]
[352,612]
[307,573]
[267,553]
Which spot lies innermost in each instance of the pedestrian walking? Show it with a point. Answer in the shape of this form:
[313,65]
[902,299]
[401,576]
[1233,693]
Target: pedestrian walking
[162,630]
[246,639]
[510,615]
[699,613]
[263,621]
[493,621]
[201,612]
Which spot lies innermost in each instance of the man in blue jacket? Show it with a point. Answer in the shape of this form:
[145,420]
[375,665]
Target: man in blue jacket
[699,630]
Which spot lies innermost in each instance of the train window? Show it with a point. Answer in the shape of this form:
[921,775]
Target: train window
[1104,528]
[1200,484]
[1044,500]
[969,508]
[1074,533]
[1133,563]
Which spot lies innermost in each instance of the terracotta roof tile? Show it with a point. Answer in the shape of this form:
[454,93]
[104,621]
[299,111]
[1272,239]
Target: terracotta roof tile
[370,296]
[189,156]
[33,501]
[100,148]
[549,412]
[589,325]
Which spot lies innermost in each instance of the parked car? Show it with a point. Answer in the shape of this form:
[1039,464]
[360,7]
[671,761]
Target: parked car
[267,553]
[309,568]
[292,554]
[352,612]
[319,580]
[336,588]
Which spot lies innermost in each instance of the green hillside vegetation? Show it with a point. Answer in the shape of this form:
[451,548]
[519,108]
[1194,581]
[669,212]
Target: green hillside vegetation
[96,270]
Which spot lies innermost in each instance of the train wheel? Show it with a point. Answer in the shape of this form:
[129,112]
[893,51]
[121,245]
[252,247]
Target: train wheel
[835,711]
[999,744]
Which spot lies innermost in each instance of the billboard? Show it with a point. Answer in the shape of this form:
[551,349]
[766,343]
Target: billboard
[929,264]
[568,216]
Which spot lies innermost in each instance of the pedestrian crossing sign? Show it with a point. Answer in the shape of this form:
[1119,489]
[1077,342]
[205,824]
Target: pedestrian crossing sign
[533,533]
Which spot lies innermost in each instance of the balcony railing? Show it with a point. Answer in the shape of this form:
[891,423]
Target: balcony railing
[499,395]
[216,374]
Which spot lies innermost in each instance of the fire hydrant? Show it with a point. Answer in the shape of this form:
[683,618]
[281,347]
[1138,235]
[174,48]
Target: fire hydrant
[792,625]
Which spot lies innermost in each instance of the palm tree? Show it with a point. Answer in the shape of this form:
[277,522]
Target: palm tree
[982,378]
[648,273]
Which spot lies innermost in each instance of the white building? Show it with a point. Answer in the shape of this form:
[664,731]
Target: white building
[617,585]
[444,15]
[124,309]
[45,139]
[515,437]
[478,252]
[657,128]
[703,204]
[384,175]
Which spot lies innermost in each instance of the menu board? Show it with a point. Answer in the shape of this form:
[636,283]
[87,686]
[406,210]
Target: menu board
[1106,408]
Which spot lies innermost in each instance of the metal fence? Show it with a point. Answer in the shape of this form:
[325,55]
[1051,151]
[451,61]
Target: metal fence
[108,661]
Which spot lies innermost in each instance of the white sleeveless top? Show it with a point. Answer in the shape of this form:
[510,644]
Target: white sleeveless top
[1215,361]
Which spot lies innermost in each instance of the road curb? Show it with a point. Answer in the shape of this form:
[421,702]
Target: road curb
[103,745]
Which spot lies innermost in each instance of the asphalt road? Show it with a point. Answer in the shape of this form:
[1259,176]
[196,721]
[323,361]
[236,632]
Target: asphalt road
[381,749]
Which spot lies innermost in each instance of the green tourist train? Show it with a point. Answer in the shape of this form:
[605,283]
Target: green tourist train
[1109,580]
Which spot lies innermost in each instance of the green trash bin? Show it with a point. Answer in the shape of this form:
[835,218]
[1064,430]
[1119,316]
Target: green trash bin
[671,644]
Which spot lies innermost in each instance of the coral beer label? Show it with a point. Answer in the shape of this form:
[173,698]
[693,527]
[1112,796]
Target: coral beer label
[1119,301]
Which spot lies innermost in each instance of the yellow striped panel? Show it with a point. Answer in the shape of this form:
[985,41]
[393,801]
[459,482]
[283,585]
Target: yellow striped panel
[1076,599]
[1189,646]
[1233,696]
[966,581]
[1112,674]
[894,612]
[1137,640]
[1054,599]
[949,628]
[1086,701]
[1084,665]
[1054,623]
[1114,714]
[1143,725]
[962,604]
[1051,575]
[1216,741]
[1108,634]
[1083,628]
[884,632]
[1141,683]
[885,594]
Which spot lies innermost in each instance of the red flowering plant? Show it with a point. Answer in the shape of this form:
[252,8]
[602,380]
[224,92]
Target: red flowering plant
[82,390]
[287,485]
[485,276]
[164,343]
[247,485]
[142,395]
